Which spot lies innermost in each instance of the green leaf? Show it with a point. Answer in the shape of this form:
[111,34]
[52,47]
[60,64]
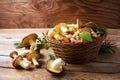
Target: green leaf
[102,29]
[43,35]
[18,45]
[34,47]
[51,57]
[86,36]
[94,27]
[99,29]
[70,23]
[44,42]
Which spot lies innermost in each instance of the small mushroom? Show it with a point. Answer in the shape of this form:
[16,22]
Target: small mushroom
[55,66]
[85,29]
[51,33]
[71,30]
[58,37]
[76,33]
[61,38]
[13,54]
[34,56]
[29,40]
[59,29]
[93,34]
[68,36]
[19,61]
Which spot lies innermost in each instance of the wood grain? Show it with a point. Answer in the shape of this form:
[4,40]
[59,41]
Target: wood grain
[47,13]
[7,72]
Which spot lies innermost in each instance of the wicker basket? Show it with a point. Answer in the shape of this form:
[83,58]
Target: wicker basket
[76,53]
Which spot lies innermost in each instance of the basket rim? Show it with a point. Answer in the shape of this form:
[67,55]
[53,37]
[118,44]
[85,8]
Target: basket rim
[51,40]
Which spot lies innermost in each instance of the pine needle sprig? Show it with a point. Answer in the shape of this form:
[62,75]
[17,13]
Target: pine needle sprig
[102,29]
[99,29]
[107,47]
[18,45]
[51,57]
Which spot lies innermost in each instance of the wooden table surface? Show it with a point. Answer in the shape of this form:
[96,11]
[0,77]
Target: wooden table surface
[9,36]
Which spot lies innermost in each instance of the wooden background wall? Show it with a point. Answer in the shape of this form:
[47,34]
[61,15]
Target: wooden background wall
[47,13]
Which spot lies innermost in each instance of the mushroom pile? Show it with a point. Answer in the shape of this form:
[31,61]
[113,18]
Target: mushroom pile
[25,59]
[30,56]
[74,33]
[19,61]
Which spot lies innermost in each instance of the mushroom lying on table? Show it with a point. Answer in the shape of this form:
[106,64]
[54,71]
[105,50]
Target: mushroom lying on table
[55,66]
[18,61]
[13,54]
[29,41]
[34,56]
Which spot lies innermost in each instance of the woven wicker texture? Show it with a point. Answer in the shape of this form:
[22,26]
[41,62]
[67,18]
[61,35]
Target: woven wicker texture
[76,53]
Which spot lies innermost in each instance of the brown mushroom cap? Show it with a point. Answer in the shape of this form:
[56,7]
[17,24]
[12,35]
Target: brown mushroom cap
[13,53]
[15,62]
[26,39]
[33,54]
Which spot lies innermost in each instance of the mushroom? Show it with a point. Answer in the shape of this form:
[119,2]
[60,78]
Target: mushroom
[93,34]
[19,61]
[58,37]
[34,56]
[24,54]
[55,66]
[64,29]
[51,33]
[13,54]
[71,30]
[85,29]
[61,28]
[30,40]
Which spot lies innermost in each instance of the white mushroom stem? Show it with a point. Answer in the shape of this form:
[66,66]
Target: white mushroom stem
[57,64]
[35,62]
[25,53]
[32,43]
[77,22]
[58,37]
[26,60]
[76,33]
[93,33]
[24,64]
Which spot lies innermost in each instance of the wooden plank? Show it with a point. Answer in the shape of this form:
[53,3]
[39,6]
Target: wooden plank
[39,74]
[8,38]
[99,65]
[45,13]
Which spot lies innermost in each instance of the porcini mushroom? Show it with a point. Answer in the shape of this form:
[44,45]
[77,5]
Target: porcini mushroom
[29,40]
[51,33]
[19,61]
[61,28]
[13,54]
[34,56]
[55,66]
